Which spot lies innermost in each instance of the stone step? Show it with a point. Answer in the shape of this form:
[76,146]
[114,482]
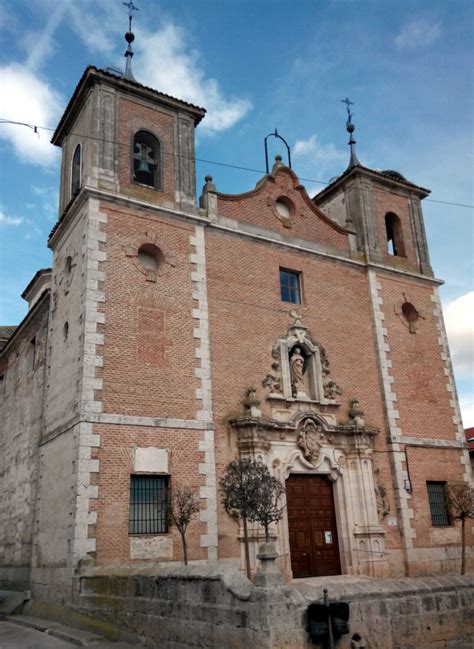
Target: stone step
[77,637]
[10,600]
[29,622]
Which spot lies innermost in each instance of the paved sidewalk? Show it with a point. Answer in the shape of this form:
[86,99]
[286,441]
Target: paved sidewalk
[13,635]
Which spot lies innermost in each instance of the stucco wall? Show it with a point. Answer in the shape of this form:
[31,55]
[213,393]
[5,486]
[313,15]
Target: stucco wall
[66,330]
[21,404]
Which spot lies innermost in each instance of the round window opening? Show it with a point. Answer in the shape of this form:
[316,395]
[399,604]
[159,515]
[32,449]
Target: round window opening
[284,207]
[149,257]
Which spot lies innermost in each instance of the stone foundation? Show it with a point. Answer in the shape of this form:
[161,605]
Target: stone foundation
[207,607]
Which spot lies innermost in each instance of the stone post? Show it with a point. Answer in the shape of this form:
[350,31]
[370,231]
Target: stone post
[269,574]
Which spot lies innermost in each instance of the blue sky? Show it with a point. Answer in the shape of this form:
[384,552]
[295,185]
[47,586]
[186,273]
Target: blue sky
[257,65]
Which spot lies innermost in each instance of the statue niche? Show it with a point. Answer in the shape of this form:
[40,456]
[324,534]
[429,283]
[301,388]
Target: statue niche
[300,370]
[300,386]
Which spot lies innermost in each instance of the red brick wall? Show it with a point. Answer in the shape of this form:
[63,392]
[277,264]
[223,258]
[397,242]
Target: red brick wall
[116,456]
[417,367]
[149,350]
[439,465]
[257,207]
[246,318]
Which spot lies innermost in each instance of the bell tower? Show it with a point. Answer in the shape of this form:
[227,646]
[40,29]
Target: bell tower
[123,309]
[125,138]
[382,208]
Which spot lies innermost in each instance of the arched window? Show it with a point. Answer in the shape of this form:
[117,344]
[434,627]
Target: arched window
[146,159]
[395,245]
[76,172]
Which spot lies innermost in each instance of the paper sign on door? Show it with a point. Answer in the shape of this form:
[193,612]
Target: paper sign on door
[328,537]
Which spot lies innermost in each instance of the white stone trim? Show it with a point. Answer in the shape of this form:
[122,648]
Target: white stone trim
[85,440]
[202,371]
[155,422]
[450,384]
[390,399]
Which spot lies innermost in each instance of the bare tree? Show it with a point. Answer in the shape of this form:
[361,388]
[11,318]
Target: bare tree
[461,505]
[182,507]
[251,493]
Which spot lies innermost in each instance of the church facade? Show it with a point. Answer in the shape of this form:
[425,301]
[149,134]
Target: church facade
[170,338]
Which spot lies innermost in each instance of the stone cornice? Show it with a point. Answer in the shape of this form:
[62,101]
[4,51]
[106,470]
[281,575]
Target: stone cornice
[231,227]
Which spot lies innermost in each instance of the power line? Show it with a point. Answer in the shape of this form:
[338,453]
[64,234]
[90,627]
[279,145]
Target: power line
[36,128]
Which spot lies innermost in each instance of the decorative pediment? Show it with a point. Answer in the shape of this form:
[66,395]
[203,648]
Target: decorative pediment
[300,370]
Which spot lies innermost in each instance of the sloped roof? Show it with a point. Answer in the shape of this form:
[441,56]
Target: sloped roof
[5,334]
[469,432]
[386,175]
[91,73]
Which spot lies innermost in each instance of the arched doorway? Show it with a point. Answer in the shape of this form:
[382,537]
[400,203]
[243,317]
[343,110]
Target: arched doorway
[312,530]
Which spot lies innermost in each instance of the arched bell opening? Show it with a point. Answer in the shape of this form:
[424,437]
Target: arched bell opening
[395,243]
[146,159]
[76,171]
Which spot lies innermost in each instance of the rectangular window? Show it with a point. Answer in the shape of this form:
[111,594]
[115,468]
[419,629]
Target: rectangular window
[438,504]
[290,288]
[148,504]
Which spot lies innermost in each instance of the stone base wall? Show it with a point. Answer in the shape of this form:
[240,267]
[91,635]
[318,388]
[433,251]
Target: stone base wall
[207,607]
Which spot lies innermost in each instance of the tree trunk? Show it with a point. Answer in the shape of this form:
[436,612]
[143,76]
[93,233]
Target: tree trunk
[247,552]
[185,549]
[463,546]
[267,533]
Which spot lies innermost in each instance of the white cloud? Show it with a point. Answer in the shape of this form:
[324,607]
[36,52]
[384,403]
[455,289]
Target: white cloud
[43,43]
[98,26]
[48,200]
[27,98]
[321,153]
[165,62]
[9,220]
[419,32]
[459,319]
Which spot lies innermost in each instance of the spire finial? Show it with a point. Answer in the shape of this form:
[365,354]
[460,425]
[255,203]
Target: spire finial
[350,128]
[129,37]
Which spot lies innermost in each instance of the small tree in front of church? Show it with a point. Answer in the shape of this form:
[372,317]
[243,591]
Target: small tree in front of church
[183,505]
[267,508]
[461,505]
[249,492]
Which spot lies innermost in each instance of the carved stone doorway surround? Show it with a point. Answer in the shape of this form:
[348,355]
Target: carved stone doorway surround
[303,436]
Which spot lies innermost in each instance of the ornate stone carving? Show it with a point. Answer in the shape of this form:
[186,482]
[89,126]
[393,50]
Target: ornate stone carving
[251,403]
[297,318]
[331,390]
[383,506]
[356,415]
[310,440]
[301,369]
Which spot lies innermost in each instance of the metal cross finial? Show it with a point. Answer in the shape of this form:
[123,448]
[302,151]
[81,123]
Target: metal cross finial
[348,103]
[131,7]
[350,128]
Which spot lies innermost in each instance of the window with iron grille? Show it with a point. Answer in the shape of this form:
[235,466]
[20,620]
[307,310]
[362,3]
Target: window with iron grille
[290,289]
[148,504]
[438,504]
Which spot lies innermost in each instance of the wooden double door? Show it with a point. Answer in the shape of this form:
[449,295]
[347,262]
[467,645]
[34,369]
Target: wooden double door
[314,546]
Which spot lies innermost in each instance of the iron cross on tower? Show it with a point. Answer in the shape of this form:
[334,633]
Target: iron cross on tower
[348,103]
[131,7]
